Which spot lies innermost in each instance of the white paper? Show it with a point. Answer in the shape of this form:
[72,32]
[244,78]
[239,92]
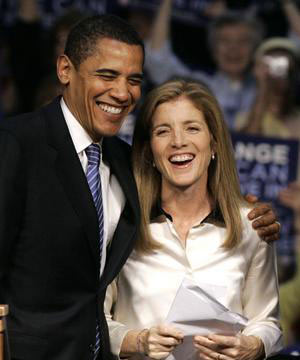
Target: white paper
[196,312]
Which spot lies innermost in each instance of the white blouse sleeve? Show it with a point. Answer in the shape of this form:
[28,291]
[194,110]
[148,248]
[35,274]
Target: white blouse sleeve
[261,299]
[117,330]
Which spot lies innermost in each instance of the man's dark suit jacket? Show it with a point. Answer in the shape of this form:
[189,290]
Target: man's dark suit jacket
[49,267]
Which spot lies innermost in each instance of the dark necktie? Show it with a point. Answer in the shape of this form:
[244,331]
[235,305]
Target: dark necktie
[94,181]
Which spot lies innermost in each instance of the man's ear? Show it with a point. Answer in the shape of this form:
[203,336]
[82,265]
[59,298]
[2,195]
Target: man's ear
[64,68]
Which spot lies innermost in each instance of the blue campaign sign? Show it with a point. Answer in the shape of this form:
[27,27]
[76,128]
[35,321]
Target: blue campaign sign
[265,166]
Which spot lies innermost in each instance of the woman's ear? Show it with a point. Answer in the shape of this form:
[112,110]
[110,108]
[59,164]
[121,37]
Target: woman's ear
[213,146]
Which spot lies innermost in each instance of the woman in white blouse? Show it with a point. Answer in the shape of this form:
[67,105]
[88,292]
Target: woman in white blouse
[194,226]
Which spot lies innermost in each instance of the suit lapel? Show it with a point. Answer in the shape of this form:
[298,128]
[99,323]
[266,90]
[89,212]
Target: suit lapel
[71,174]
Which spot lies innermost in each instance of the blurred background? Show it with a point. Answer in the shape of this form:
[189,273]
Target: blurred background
[246,51]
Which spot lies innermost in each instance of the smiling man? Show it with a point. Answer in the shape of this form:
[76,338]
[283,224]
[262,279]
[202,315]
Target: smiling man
[62,236]
[105,87]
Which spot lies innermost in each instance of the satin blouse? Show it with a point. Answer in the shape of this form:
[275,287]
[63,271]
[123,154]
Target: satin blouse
[243,279]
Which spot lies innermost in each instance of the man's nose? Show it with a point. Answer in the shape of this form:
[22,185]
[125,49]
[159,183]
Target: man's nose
[120,90]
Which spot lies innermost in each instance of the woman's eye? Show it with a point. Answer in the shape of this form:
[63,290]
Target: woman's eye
[193,129]
[160,132]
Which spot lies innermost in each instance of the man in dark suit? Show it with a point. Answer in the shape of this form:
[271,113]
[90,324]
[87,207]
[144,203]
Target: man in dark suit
[49,234]
[58,251]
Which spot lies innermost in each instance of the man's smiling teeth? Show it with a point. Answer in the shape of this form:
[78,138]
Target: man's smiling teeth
[181,158]
[110,109]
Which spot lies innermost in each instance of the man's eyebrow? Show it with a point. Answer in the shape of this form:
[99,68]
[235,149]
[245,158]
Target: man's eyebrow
[116,73]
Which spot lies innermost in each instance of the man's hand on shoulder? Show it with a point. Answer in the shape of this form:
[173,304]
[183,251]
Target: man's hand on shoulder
[264,219]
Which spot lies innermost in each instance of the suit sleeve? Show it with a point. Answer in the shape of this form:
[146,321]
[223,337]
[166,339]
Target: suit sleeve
[260,298]
[10,199]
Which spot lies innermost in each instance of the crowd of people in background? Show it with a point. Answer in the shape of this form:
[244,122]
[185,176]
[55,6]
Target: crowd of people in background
[247,59]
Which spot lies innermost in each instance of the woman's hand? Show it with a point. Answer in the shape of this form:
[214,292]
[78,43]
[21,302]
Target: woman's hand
[220,347]
[159,341]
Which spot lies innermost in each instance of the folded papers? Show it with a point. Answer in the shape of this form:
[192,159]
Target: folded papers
[196,312]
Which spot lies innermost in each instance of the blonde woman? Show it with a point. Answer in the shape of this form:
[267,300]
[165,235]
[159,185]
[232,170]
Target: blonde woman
[194,224]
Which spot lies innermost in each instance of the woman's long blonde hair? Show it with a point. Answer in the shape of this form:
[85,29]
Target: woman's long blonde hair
[223,183]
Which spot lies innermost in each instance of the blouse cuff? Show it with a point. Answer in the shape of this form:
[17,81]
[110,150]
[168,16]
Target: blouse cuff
[117,335]
[270,336]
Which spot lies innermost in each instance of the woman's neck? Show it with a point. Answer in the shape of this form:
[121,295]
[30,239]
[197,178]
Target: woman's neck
[187,207]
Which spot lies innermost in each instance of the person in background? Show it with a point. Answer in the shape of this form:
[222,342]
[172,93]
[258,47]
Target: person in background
[194,225]
[232,37]
[276,113]
[141,20]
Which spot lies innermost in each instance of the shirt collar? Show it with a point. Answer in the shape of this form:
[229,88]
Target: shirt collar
[214,217]
[79,135]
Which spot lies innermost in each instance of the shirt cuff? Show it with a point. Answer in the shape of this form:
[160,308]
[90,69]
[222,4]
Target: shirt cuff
[270,336]
[117,335]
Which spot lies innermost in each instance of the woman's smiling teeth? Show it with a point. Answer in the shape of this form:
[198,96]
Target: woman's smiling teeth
[181,158]
[110,109]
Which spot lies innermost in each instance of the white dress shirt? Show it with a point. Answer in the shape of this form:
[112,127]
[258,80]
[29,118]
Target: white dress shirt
[246,276]
[112,195]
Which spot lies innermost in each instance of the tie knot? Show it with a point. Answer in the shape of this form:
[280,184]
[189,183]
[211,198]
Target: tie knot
[93,154]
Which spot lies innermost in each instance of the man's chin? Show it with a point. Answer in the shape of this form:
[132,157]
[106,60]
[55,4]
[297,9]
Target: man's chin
[109,132]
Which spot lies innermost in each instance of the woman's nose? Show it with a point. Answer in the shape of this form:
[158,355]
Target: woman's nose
[178,139]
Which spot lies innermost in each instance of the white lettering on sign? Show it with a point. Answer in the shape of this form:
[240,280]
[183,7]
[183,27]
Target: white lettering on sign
[262,153]
[262,172]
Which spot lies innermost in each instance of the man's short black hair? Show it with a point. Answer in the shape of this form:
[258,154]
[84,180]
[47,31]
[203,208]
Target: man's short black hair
[83,37]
